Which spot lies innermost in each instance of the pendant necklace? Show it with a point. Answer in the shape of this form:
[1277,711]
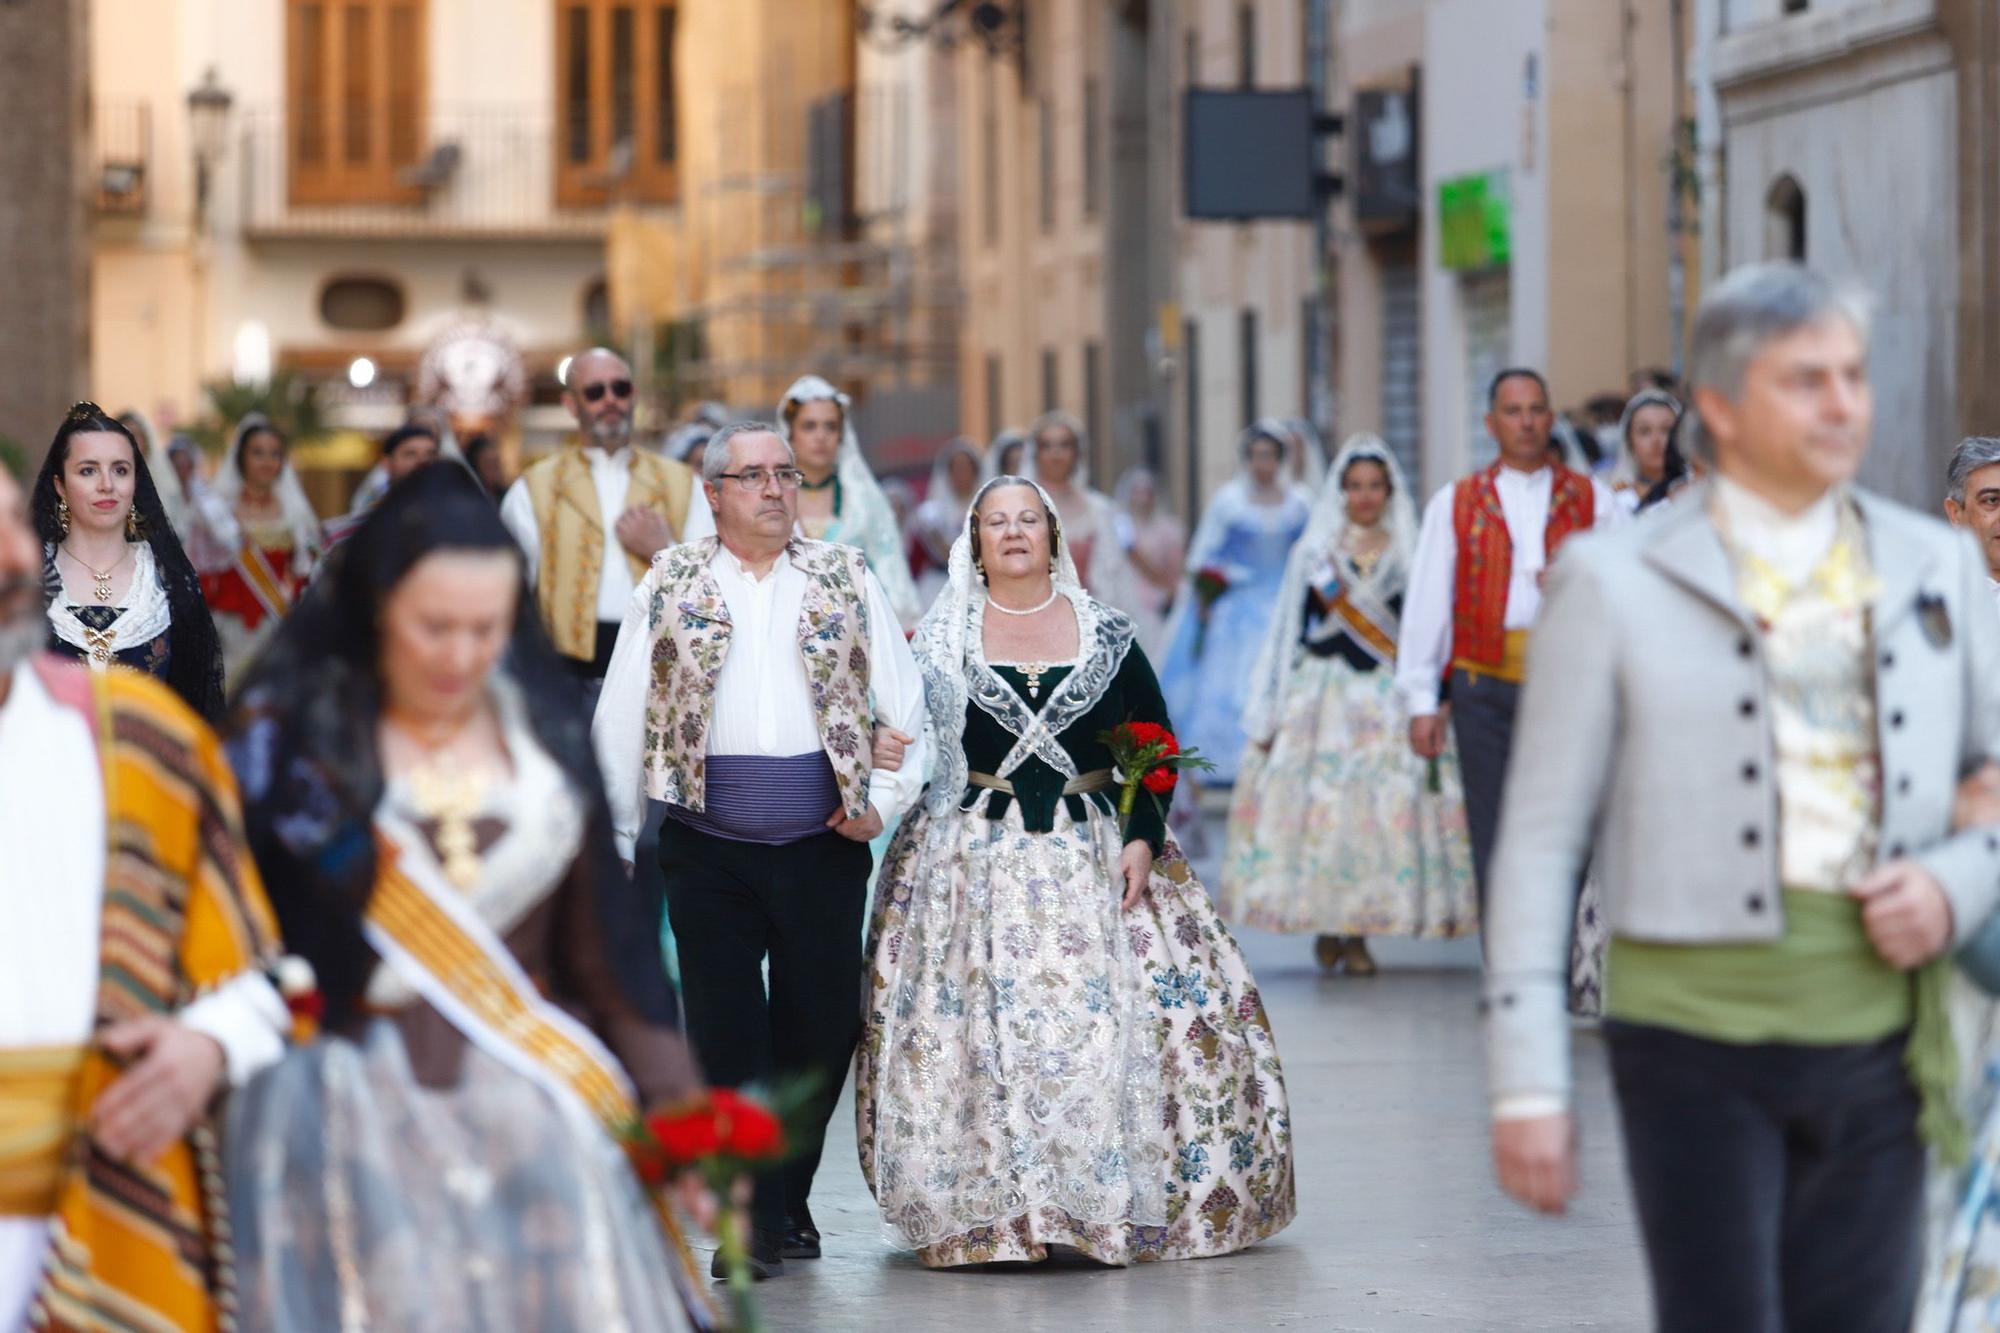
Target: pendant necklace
[103,576]
[1031,676]
[1031,611]
[450,796]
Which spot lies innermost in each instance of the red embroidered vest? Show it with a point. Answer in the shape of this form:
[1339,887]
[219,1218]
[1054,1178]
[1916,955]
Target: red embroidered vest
[1486,555]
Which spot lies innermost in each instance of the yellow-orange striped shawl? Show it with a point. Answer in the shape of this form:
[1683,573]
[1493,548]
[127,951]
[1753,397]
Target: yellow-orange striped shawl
[143,1249]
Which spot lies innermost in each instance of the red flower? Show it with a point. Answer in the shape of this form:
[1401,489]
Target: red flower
[755,1135]
[1161,781]
[1151,733]
[686,1136]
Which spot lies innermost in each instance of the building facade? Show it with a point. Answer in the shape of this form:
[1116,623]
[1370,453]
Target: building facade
[399,201]
[1860,137]
[1087,289]
[1511,187]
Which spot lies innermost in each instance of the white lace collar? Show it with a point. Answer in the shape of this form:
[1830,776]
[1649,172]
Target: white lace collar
[144,615]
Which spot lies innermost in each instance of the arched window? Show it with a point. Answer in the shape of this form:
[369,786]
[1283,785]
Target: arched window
[361,305]
[1785,220]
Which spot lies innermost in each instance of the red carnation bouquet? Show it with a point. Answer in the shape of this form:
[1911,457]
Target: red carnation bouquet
[722,1135]
[1149,756]
[1210,582]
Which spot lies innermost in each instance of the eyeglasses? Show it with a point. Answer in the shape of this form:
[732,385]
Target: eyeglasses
[756,478]
[617,388]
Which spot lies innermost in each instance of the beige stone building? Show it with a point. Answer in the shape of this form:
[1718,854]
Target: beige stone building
[1510,180]
[1085,288]
[1861,137]
[817,229]
[371,183]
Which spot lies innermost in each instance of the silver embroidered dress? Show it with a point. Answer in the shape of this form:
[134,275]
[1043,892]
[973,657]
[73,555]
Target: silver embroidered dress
[1040,1067]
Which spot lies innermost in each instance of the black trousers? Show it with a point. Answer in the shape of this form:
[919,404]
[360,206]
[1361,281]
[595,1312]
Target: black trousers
[735,904]
[1779,1187]
[1482,722]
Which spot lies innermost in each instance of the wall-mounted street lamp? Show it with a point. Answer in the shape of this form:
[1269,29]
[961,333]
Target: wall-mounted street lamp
[998,25]
[208,124]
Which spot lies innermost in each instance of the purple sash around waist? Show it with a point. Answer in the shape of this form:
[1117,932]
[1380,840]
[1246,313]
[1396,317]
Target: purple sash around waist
[769,799]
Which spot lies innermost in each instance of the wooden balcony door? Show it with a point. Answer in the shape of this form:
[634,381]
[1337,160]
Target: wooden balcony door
[617,133]
[354,99]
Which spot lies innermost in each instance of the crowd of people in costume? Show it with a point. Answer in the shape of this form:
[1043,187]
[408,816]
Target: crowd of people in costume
[449,835]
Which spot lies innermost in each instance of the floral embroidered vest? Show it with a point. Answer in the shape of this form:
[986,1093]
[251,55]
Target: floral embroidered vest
[690,632]
[573,535]
[1486,555]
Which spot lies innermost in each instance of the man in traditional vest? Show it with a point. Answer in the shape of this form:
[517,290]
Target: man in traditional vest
[132,988]
[1475,588]
[592,515]
[750,678]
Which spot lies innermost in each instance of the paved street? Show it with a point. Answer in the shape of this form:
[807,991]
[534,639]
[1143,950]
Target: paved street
[1399,1225]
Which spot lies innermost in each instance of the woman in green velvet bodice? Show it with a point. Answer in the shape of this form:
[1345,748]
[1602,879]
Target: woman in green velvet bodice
[1133,696]
[1063,1044]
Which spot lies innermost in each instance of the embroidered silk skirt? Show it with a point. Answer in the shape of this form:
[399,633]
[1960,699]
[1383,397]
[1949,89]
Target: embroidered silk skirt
[361,1200]
[1335,830]
[1041,1068]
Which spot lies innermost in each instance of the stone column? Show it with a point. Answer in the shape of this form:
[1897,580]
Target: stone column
[44,217]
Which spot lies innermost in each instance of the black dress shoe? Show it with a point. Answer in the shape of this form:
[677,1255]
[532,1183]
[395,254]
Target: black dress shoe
[766,1259]
[801,1243]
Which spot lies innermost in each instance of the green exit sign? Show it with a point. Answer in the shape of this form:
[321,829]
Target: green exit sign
[1475,227]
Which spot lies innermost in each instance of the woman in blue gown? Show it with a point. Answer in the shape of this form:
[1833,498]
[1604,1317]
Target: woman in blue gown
[1241,546]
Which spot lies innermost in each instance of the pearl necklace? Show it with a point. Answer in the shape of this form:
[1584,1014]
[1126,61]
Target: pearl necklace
[1031,611]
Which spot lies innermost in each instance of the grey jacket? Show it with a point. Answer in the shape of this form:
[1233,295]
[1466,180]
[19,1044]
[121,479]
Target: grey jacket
[1643,741]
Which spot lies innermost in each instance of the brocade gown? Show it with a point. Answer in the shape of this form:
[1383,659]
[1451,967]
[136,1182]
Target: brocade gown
[1040,1067]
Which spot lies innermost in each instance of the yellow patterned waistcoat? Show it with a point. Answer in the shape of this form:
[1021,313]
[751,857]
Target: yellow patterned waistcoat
[574,535]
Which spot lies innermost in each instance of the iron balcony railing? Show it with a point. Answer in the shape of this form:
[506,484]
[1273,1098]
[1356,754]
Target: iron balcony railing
[482,173]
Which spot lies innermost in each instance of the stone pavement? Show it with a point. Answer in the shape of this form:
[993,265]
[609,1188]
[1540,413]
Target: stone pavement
[1399,1225]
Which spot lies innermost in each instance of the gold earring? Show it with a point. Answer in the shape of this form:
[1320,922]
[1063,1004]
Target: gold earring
[62,516]
[134,529]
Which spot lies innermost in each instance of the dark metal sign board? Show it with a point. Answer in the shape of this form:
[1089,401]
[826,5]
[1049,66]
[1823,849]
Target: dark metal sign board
[1251,155]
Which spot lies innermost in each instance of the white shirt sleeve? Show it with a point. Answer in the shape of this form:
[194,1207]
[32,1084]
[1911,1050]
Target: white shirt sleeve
[618,729]
[1423,649]
[1611,507]
[517,511]
[898,688]
[248,1020]
[700,520]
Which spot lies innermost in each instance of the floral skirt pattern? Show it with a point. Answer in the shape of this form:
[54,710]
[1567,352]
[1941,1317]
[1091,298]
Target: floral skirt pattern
[362,1200]
[1336,831]
[1961,1289]
[1040,1067]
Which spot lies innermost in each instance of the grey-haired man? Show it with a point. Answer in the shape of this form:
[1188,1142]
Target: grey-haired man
[1759,707]
[1972,498]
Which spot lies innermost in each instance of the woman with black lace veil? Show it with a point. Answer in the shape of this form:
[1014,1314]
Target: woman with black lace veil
[117,586]
[1063,1046]
[420,793]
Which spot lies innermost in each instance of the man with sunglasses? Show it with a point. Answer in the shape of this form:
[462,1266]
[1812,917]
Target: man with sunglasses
[592,515]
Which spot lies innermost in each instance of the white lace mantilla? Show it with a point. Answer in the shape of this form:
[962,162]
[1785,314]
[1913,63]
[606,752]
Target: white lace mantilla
[544,823]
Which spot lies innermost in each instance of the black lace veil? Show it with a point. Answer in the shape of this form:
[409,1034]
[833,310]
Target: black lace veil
[195,671]
[302,737]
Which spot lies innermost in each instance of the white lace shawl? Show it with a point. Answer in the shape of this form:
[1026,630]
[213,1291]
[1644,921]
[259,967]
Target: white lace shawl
[867,520]
[545,825]
[951,653]
[300,516]
[146,613]
[1321,541]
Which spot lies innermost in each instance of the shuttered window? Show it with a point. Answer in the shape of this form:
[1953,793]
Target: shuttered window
[617,128]
[355,99]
